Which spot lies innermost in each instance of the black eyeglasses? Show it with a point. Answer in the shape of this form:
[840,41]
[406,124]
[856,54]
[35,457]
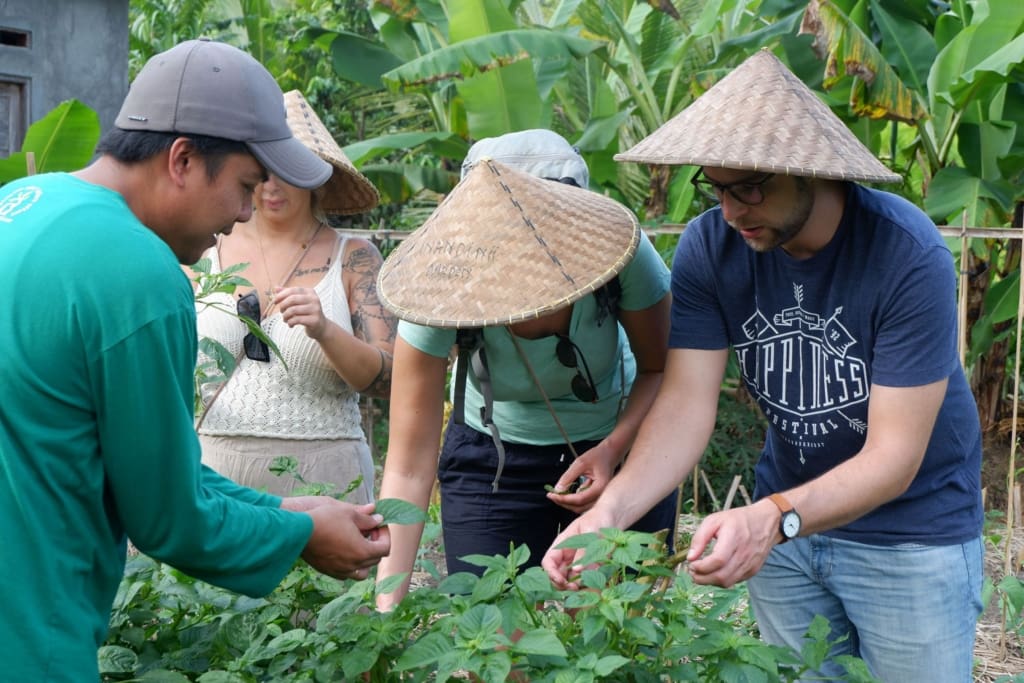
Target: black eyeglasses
[255,348]
[747,192]
[567,352]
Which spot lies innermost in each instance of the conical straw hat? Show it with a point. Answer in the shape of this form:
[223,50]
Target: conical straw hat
[506,246]
[347,191]
[761,117]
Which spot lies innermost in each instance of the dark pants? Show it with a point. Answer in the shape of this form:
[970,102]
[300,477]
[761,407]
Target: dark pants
[479,521]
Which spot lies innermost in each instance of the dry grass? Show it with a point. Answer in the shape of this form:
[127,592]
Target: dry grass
[997,652]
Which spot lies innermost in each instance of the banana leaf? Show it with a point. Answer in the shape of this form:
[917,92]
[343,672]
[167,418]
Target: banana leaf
[476,55]
[877,92]
[63,140]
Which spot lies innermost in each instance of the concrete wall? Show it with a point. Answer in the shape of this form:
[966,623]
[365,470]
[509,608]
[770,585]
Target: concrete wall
[76,49]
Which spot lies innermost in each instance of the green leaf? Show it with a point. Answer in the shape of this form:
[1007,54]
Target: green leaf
[476,55]
[356,58]
[997,67]
[540,642]
[609,663]
[425,651]
[391,583]
[287,641]
[951,191]
[398,511]
[114,659]
[877,92]
[1002,299]
[1013,589]
[502,100]
[907,45]
[63,140]
[443,144]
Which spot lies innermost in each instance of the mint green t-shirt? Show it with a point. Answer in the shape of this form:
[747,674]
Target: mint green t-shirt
[520,412]
[97,349]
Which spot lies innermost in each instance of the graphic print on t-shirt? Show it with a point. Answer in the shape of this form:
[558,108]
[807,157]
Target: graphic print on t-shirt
[805,371]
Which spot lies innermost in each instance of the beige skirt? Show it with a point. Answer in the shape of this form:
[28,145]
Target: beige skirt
[247,460]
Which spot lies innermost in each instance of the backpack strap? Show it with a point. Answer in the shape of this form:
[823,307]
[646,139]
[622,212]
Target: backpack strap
[471,352]
[468,341]
[483,376]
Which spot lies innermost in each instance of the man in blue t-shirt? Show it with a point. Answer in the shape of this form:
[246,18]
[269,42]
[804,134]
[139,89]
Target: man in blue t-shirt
[838,303]
[97,355]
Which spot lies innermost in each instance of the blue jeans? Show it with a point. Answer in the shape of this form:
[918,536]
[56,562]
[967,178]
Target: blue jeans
[910,610]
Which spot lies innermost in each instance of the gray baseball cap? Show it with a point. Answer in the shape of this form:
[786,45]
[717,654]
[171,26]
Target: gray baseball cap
[202,87]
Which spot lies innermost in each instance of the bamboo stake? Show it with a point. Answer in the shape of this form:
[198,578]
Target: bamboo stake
[679,510]
[1012,469]
[732,491]
[696,488]
[746,496]
[711,491]
[30,162]
[962,303]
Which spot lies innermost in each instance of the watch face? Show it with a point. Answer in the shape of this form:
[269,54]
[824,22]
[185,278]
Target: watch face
[790,525]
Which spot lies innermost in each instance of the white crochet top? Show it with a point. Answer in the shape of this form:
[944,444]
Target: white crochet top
[309,400]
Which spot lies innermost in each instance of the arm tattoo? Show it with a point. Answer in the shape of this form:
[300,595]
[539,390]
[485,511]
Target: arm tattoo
[369,316]
[364,263]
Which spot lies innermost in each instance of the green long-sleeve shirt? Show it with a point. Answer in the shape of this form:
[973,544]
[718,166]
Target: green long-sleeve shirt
[97,351]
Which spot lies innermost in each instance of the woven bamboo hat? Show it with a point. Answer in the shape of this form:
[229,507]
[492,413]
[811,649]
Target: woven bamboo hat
[506,246]
[347,191]
[761,117]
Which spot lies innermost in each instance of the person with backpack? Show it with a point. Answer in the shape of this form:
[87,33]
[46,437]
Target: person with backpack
[559,308]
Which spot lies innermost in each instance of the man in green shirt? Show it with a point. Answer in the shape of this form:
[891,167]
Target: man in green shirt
[97,352]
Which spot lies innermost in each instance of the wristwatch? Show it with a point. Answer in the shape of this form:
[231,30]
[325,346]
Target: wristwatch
[789,525]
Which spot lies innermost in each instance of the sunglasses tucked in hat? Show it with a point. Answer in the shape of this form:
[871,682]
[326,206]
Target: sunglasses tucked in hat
[761,117]
[539,152]
[347,191]
[506,246]
[202,87]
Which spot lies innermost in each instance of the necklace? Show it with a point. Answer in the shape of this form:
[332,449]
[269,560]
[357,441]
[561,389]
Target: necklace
[296,260]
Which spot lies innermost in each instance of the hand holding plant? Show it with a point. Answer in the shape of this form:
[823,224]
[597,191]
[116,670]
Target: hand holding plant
[347,539]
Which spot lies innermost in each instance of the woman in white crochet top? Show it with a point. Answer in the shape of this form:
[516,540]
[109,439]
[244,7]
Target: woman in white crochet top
[314,294]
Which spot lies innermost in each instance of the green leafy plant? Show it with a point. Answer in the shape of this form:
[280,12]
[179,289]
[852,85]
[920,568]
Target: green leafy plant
[637,619]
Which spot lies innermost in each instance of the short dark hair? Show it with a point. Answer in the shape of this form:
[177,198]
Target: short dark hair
[134,146]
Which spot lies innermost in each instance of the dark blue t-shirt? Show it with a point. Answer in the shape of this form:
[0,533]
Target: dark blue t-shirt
[878,306]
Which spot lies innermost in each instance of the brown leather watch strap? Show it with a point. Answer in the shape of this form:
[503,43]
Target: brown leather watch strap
[781,502]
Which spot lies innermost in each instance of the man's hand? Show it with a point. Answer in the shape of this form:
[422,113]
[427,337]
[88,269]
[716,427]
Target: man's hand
[347,539]
[742,537]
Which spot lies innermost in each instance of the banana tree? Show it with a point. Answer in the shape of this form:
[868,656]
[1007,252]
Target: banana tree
[467,68]
[949,84]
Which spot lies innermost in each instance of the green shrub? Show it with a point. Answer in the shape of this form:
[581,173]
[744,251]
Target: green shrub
[635,620]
